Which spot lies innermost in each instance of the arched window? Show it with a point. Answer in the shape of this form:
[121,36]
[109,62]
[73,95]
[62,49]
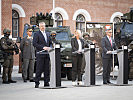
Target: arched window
[58,19]
[117,20]
[80,22]
[15,24]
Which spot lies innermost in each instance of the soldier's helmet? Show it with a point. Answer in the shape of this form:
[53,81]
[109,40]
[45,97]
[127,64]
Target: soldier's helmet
[53,33]
[6,31]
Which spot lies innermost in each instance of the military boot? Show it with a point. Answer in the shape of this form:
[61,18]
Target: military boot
[10,76]
[4,77]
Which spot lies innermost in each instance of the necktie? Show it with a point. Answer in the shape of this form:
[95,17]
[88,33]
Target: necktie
[110,41]
[45,36]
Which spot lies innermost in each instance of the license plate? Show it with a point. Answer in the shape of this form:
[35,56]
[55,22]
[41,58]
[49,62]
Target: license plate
[68,65]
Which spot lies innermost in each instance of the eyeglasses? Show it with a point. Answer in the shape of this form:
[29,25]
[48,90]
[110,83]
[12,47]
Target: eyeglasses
[30,31]
[109,32]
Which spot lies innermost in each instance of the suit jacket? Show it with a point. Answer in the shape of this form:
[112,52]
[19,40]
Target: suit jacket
[39,42]
[27,48]
[106,46]
[75,46]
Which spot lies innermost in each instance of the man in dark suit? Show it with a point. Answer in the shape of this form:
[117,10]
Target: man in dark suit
[108,44]
[41,41]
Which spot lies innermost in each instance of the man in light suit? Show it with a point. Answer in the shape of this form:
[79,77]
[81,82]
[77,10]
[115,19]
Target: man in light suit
[42,41]
[28,55]
[108,44]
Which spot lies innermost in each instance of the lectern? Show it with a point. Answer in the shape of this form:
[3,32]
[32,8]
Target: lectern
[90,65]
[123,66]
[55,73]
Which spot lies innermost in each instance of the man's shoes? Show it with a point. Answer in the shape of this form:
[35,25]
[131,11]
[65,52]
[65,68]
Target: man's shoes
[46,84]
[32,80]
[6,82]
[109,82]
[36,86]
[25,81]
[105,83]
[79,83]
[73,83]
[11,81]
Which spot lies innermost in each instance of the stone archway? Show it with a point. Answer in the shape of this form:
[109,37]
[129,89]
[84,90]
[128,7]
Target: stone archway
[116,14]
[84,13]
[22,14]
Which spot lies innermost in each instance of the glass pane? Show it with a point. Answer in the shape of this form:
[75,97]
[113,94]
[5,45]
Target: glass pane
[116,20]
[15,24]
[58,19]
[62,36]
[59,23]
[78,26]
[80,18]
[15,14]
[15,33]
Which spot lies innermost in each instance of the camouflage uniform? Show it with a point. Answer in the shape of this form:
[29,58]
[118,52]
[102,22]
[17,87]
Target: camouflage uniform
[8,47]
[86,45]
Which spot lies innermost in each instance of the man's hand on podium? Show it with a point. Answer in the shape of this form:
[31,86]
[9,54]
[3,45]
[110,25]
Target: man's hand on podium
[109,52]
[47,48]
[80,52]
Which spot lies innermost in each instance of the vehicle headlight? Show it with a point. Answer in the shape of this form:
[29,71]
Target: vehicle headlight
[67,57]
[66,45]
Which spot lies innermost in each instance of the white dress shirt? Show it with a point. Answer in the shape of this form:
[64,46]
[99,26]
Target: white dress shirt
[110,40]
[80,45]
[44,34]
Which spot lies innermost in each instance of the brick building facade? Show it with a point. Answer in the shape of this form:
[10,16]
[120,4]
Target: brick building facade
[92,11]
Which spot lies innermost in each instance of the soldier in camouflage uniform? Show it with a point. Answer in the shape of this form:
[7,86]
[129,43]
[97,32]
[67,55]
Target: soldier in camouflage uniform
[8,46]
[86,45]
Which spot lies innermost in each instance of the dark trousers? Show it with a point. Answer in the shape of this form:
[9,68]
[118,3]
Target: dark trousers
[28,63]
[7,68]
[42,67]
[107,64]
[76,67]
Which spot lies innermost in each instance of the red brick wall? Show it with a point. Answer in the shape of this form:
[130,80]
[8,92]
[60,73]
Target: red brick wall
[6,14]
[99,10]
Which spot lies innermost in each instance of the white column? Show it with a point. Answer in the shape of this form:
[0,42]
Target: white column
[0,17]
[54,12]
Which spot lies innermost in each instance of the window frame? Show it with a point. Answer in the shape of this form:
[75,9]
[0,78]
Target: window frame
[58,21]
[80,22]
[17,24]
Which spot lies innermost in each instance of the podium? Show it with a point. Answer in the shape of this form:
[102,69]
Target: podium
[123,66]
[55,73]
[90,65]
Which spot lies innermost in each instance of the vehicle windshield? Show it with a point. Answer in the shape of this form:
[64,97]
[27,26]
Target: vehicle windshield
[62,36]
[129,28]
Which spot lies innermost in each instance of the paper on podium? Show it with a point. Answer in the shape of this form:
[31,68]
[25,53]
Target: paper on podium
[129,50]
[51,49]
[62,49]
[116,51]
[86,49]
